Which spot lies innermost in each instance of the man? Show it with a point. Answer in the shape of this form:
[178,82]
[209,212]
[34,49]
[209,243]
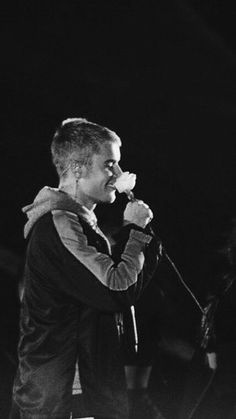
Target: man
[74,289]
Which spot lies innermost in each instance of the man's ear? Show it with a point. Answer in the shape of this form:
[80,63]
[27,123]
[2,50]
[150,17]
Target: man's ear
[76,169]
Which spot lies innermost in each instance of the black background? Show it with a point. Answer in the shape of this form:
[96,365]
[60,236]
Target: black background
[161,74]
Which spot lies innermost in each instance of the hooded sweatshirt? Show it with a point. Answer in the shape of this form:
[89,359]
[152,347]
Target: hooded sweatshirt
[72,289]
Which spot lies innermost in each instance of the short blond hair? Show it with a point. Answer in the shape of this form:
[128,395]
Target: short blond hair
[80,137]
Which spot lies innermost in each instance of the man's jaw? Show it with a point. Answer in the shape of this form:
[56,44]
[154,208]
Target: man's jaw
[111,190]
[110,185]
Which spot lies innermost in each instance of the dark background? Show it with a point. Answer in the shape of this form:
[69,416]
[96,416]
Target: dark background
[162,74]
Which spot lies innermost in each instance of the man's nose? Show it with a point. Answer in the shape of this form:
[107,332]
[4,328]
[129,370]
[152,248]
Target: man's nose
[117,171]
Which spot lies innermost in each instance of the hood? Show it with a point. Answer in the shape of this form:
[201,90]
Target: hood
[49,199]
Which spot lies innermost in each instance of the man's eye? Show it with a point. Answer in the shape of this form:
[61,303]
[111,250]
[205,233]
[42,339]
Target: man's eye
[109,165]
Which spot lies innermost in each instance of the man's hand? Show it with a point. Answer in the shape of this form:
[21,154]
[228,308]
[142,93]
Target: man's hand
[137,212]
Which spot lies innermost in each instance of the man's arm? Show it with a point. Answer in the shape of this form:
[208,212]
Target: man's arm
[68,264]
[152,254]
[115,275]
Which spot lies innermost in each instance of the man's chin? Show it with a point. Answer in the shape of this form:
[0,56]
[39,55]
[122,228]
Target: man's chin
[110,198]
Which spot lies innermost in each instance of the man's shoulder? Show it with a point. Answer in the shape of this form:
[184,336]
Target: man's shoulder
[43,226]
[67,224]
[47,220]
[46,231]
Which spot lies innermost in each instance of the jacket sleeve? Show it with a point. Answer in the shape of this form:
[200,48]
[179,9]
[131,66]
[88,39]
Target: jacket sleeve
[152,254]
[115,276]
[80,270]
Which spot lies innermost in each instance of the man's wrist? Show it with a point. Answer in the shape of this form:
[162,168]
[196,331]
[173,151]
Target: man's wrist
[131,225]
[138,224]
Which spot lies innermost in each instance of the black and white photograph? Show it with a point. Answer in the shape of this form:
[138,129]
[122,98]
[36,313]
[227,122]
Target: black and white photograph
[118,210]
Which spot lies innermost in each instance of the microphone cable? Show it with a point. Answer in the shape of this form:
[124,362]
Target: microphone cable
[182,280]
[131,198]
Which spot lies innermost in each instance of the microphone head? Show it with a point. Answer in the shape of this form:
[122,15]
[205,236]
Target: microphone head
[125,183]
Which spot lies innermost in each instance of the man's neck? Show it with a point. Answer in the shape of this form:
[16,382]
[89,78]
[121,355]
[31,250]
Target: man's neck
[82,200]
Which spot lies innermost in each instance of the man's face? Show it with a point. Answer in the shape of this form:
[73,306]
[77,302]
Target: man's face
[95,185]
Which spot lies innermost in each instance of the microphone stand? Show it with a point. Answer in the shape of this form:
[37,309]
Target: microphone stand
[131,198]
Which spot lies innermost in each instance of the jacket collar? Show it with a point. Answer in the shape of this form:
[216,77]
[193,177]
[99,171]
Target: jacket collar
[49,199]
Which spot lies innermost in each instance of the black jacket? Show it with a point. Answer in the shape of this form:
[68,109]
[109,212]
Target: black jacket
[72,290]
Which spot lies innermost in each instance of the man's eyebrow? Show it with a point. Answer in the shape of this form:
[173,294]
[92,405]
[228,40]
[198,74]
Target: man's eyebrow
[111,161]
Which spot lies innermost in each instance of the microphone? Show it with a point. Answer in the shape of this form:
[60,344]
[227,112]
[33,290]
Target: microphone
[126,183]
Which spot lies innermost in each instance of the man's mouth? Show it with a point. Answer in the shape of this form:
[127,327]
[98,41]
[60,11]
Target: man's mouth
[110,186]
